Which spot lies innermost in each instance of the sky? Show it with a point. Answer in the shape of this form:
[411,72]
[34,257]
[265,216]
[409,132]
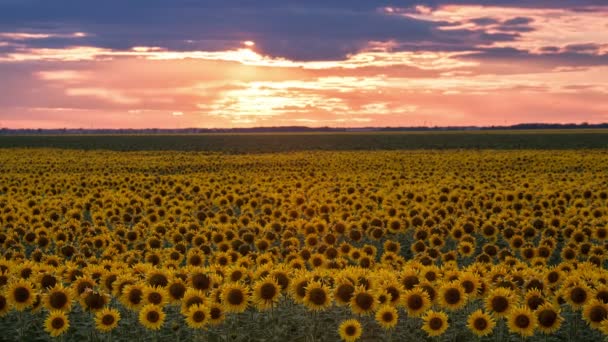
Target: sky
[355,63]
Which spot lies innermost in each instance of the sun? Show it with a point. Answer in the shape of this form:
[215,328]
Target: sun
[249,43]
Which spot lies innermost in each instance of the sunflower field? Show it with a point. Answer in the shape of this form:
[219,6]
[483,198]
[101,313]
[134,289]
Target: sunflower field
[455,245]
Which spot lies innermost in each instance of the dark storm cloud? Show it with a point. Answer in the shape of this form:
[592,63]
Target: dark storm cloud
[302,30]
[577,56]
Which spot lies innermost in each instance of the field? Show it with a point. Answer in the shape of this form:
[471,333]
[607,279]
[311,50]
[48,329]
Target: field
[287,142]
[307,243]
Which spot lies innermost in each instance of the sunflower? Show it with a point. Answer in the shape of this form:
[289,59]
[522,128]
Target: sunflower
[480,323]
[317,296]
[363,301]
[435,323]
[197,316]
[387,316]
[4,305]
[549,318]
[416,301]
[58,298]
[107,319]
[499,301]
[266,293]
[20,294]
[395,290]
[156,295]
[56,323]
[534,299]
[192,297]
[297,287]
[82,284]
[452,296]
[93,300]
[176,289]
[466,249]
[132,296]
[235,297]
[343,291]
[152,317]
[469,281]
[350,330]
[594,312]
[576,295]
[523,321]
[216,314]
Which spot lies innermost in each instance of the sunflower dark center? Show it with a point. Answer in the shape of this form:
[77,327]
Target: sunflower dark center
[153,316]
[345,292]
[177,290]
[414,302]
[387,317]
[135,296]
[193,301]
[215,313]
[522,321]
[155,298]
[201,282]
[95,301]
[534,302]
[57,300]
[468,285]
[48,281]
[158,280]
[317,296]
[480,323]
[107,319]
[602,296]
[268,291]
[236,275]
[57,323]
[365,301]
[499,304]
[547,318]
[435,323]
[282,279]
[578,295]
[350,330]
[301,288]
[598,313]
[410,281]
[22,294]
[452,296]
[235,297]
[198,316]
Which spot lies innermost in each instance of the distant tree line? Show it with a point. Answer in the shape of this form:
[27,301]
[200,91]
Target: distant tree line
[295,129]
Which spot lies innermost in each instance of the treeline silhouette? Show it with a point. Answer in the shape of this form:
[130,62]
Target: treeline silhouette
[295,129]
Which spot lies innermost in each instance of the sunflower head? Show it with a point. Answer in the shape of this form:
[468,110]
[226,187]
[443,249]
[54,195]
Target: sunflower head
[58,298]
[416,301]
[480,323]
[548,318]
[235,297]
[387,316]
[350,330]
[107,319]
[56,323]
[152,317]
[594,312]
[435,323]
[20,294]
[198,316]
[318,296]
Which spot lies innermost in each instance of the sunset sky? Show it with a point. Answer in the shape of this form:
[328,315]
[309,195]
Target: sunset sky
[222,63]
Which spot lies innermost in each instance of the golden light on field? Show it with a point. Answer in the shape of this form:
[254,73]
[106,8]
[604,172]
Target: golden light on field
[475,242]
